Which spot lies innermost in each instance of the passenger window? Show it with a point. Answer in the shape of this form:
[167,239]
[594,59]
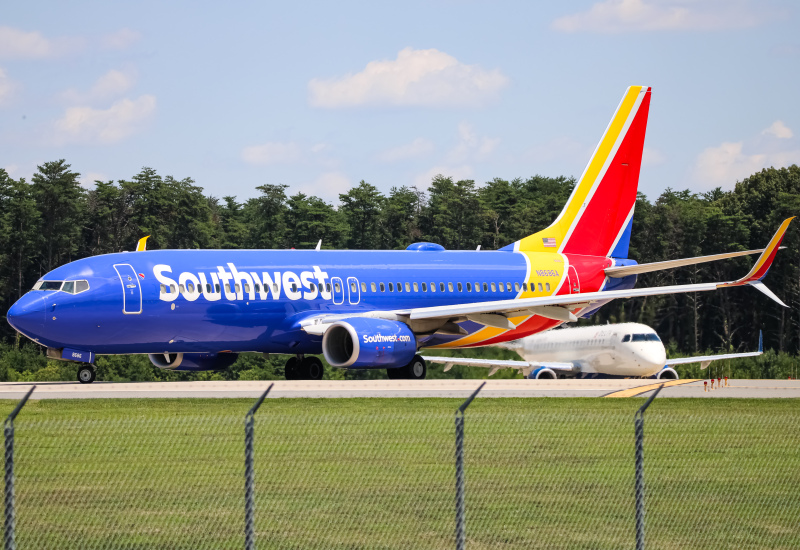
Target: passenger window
[408,287]
[327,287]
[450,287]
[383,288]
[69,286]
[217,287]
[190,287]
[469,287]
[172,289]
[459,287]
[183,288]
[247,288]
[547,287]
[416,287]
[238,288]
[441,287]
[337,287]
[424,287]
[485,287]
[500,287]
[399,287]
[208,288]
[433,287]
[321,288]
[626,338]
[353,287]
[508,287]
[81,286]
[494,288]
[163,289]
[540,288]
[258,287]
[391,287]
[372,287]
[363,287]
[516,287]
[525,287]
[294,287]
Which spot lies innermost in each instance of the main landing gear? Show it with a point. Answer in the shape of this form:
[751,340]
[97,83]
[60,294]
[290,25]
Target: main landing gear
[86,374]
[304,368]
[415,370]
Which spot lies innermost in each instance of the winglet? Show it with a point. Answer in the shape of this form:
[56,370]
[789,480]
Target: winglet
[141,246]
[760,342]
[764,261]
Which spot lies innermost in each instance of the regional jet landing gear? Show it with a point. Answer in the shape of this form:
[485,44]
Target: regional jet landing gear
[86,374]
[304,368]
[415,370]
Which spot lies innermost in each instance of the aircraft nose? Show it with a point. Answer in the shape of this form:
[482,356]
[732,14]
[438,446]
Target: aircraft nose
[656,356]
[27,315]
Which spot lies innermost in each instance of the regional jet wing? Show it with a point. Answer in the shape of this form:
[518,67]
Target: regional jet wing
[704,360]
[497,364]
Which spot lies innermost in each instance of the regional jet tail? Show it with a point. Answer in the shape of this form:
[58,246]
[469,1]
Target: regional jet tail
[196,309]
[625,350]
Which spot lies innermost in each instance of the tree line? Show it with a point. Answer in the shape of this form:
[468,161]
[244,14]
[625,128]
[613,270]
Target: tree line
[52,220]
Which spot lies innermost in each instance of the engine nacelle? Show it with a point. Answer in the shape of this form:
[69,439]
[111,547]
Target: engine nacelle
[667,373]
[363,342]
[543,373]
[193,361]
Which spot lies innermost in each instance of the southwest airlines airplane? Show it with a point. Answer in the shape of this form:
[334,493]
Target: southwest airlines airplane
[196,309]
[624,350]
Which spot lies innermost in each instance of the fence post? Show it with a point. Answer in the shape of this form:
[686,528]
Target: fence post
[249,474]
[10,538]
[460,532]
[638,422]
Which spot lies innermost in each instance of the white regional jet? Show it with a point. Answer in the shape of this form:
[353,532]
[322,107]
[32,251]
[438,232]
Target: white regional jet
[625,350]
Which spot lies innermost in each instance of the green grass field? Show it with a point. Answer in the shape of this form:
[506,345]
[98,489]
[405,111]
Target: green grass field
[378,473]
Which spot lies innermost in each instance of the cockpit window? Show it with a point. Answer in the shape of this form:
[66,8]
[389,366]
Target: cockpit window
[626,338]
[71,287]
[48,285]
[646,338]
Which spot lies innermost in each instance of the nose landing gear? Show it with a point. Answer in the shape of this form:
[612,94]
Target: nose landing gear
[304,368]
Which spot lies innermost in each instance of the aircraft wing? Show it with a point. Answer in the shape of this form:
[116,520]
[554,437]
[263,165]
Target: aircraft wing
[706,359]
[496,364]
[497,313]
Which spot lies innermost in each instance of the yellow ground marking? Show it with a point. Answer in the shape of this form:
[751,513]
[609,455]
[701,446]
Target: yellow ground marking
[633,392]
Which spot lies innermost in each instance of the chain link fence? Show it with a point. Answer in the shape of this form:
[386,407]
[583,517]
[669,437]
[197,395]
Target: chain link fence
[380,473]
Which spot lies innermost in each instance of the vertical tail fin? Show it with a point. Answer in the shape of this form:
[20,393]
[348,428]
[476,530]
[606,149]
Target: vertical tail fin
[598,215]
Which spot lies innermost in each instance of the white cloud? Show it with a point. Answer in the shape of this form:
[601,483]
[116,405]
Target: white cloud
[471,146]
[728,163]
[418,148]
[112,84]
[271,152]
[87,180]
[417,77]
[779,130]
[7,88]
[617,16]
[457,172]
[19,44]
[120,40]
[327,186]
[652,156]
[122,119]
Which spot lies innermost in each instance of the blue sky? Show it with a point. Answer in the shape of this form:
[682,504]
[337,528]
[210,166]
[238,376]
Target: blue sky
[320,95]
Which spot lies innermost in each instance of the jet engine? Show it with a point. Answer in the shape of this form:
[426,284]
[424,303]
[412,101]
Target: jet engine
[362,342]
[543,373]
[667,373]
[193,361]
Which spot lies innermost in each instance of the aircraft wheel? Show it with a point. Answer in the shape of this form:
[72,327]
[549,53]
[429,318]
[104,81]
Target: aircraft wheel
[290,370]
[86,374]
[396,374]
[311,369]
[416,369]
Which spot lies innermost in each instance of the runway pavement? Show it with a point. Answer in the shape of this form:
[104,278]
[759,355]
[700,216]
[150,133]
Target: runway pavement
[400,388]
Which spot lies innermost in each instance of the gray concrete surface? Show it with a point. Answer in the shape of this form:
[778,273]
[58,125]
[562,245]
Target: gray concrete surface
[396,388]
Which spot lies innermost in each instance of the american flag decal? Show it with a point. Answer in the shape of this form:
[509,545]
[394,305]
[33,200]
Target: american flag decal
[549,242]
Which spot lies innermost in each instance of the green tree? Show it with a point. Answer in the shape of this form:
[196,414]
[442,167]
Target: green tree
[59,200]
[361,207]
